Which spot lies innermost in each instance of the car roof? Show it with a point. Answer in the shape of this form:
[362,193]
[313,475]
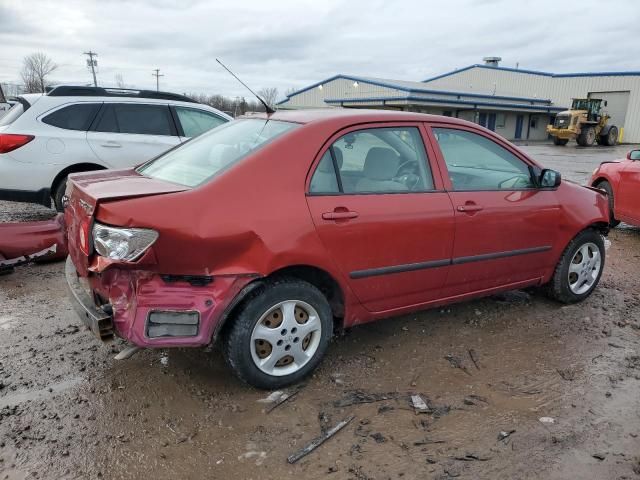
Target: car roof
[352,115]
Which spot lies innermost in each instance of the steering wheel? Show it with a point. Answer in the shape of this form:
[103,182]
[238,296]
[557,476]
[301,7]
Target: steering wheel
[407,174]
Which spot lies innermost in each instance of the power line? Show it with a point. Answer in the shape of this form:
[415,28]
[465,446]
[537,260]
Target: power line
[157,75]
[93,64]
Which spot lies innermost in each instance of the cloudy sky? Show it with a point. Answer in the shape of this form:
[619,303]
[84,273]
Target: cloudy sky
[286,43]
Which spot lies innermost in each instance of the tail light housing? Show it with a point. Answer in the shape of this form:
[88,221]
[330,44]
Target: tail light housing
[11,141]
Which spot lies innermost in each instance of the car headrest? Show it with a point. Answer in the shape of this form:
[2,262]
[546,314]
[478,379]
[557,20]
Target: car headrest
[381,163]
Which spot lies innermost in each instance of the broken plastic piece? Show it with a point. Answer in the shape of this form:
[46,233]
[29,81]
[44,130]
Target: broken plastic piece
[128,352]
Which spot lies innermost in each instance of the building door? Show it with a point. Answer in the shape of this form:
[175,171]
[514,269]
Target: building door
[482,119]
[491,125]
[519,123]
[616,108]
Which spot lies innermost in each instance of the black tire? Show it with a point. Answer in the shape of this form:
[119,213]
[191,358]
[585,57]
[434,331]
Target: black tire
[560,141]
[558,288]
[58,193]
[606,186]
[587,137]
[611,138]
[238,336]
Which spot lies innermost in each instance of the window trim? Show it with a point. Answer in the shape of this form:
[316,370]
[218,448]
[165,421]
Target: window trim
[178,123]
[448,186]
[98,118]
[430,154]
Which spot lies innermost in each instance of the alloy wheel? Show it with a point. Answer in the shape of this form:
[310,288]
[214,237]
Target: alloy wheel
[584,268]
[285,338]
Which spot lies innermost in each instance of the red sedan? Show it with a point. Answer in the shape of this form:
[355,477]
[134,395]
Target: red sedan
[621,181]
[271,231]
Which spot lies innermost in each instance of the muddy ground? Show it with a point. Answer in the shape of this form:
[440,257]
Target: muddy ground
[69,410]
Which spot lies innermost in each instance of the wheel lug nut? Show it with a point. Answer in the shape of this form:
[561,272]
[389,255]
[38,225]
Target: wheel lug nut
[283,331]
[287,348]
[279,342]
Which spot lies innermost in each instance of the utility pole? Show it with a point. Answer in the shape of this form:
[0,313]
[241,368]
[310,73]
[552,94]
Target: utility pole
[157,75]
[93,64]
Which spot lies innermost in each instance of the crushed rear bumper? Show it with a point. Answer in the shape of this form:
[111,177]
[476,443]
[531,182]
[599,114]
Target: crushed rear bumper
[98,320]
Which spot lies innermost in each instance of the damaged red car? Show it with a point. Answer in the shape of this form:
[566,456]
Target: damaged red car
[270,232]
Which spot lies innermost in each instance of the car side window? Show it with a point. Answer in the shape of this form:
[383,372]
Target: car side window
[194,122]
[73,117]
[138,119]
[374,160]
[477,163]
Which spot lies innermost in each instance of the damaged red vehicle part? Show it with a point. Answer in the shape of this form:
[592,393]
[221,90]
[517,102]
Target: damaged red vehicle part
[24,242]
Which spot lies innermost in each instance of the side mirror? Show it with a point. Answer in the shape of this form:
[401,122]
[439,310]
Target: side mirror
[549,178]
[633,155]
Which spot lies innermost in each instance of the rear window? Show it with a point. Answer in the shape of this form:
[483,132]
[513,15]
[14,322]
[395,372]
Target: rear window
[194,122]
[139,119]
[73,117]
[13,113]
[202,158]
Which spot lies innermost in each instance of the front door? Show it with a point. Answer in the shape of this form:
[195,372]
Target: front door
[491,125]
[382,215]
[628,195]
[505,227]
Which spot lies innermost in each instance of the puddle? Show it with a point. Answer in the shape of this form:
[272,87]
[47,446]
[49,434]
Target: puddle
[21,397]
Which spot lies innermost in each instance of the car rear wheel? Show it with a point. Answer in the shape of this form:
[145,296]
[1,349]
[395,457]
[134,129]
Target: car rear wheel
[580,268]
[279,334]
[606,186]
[58,193]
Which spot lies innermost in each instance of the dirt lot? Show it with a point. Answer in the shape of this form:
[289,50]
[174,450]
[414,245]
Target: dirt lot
[68,410]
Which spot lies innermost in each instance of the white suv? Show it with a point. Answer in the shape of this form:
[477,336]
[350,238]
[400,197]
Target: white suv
[44,138]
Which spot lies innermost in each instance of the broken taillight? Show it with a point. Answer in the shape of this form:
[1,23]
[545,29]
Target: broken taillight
[11,141]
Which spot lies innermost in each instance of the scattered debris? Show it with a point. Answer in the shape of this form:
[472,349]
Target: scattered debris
[419,405]
[503,435]
[568,374]
[547,420]
[599,456]
[316,442]
[273,397]
[472,457]
[456,362]
[358,396]
[474,399]
[285,397]
[474,358]
[427,441]
[385,408]
[615,345]
[378,437]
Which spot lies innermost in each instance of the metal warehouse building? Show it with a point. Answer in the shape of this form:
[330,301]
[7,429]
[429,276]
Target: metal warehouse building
[518,104]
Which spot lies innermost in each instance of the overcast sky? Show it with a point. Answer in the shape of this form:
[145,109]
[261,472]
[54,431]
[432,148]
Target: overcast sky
[289,43]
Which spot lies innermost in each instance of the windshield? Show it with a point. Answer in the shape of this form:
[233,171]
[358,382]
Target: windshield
[13,113]
[205,156]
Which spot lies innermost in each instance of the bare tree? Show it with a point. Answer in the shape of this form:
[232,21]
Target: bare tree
[35,70]
[269,95]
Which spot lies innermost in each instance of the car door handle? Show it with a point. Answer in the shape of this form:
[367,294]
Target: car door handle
[469,208]
[111,145]
[339,215]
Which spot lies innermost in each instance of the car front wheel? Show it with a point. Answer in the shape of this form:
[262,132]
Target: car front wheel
[580,268]
[279,334]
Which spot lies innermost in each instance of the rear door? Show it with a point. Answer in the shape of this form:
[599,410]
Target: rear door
[628,195]
[127,134]
[505,226]
[382,214]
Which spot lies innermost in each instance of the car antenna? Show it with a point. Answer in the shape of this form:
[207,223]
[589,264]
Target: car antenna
[267,108]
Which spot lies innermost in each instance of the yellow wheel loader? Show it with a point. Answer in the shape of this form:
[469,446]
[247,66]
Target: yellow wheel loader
[585,123]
